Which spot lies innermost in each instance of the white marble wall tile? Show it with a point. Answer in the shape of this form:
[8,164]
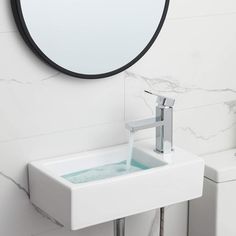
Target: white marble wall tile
[145,224]
[196,66]
[6,20]
[58,104]
[176,219]
[206,129]
[18,63]
[196,53]
[192,8]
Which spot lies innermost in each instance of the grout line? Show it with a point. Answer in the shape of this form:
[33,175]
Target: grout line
[60,131]
[174,87]
[8,32]
[97,125]
[125,97]
[205,105]
[49,77]
[210,153]
[200,16]
[209,137]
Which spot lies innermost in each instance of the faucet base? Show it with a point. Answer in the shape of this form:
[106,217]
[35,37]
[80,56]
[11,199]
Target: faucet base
[163,152]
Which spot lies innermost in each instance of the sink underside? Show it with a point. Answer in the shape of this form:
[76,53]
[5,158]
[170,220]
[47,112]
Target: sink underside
[163,180]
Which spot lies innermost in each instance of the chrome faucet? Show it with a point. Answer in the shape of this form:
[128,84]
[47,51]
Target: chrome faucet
[163,122]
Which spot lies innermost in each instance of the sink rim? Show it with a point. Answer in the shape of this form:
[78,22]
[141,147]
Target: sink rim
[43,164]
[143,146]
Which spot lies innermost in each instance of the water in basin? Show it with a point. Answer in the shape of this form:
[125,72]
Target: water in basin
[103,172]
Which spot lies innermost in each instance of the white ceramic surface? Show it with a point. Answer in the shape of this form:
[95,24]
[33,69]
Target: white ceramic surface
[215,212]
[221,166]
[172,178]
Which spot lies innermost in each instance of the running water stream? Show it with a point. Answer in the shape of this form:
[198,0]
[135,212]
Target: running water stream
[130,151]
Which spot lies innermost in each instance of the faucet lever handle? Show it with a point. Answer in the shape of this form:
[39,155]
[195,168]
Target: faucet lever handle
[161,100]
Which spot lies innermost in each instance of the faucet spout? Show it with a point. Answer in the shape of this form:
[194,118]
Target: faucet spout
[137,125]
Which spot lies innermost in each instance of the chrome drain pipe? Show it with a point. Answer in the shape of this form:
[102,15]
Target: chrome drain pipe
[119,227]
[162,220]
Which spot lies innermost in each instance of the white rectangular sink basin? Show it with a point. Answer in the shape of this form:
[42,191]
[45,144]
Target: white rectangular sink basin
[165,180]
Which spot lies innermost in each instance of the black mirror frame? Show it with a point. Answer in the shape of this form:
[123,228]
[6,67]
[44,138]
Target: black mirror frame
[21,25]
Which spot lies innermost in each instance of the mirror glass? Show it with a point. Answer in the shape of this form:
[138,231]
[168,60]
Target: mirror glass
[90,38]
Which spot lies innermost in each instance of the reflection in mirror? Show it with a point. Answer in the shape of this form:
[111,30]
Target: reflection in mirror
[88,38]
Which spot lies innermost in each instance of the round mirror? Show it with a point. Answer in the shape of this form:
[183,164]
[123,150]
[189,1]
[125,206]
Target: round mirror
[90,38]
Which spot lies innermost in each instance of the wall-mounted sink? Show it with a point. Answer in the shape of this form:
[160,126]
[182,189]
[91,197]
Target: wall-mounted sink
[156,181]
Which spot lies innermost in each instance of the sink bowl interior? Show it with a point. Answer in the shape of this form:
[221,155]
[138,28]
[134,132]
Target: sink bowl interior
[107,165]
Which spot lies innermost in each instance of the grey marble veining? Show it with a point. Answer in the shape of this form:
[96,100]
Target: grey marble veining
[167,85]
[232,106]
[206,138]
[21,188]
[8,32]
[11,80]
[161,85]
[45,215]
[15,183]
[154,229]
